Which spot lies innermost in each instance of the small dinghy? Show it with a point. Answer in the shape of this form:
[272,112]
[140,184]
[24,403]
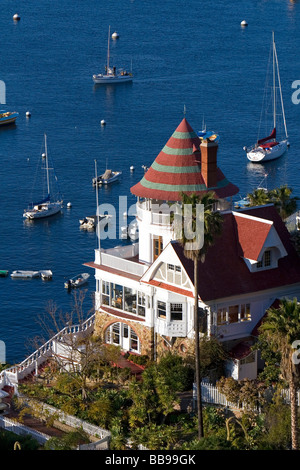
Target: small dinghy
[77,281]
[46,274]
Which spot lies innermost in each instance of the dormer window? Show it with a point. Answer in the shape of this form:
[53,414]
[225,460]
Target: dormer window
[266,260]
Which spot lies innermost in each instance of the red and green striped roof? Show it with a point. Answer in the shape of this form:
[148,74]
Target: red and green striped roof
[177,169]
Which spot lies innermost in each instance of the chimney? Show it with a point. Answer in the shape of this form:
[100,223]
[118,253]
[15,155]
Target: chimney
[209,162]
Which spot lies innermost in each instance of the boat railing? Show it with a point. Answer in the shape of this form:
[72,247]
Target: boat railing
[12,375]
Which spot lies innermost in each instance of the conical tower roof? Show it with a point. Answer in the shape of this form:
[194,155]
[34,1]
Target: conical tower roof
[177,169]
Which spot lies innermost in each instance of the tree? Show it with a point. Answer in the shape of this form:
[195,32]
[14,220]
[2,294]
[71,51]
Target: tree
[281,328]
[281,197]
[282,200]
[212,221]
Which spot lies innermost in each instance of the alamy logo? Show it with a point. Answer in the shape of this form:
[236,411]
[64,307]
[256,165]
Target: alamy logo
[2,352]
[2,92]
[295,95]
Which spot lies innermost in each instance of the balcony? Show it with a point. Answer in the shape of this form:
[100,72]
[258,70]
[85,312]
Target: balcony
[158,213]
[121,258]
[172,328]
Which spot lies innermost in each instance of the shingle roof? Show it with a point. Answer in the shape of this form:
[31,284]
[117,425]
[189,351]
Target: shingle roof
[224,272]
[177,169]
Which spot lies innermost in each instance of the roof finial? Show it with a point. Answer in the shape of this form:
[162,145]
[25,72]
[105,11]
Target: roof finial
[184,110]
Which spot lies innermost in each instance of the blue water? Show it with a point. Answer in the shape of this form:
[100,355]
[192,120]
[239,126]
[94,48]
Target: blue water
[191,55]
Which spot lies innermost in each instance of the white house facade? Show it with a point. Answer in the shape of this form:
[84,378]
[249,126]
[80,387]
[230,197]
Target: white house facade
[144,297]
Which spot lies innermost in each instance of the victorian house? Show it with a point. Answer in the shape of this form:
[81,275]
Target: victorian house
[144,295]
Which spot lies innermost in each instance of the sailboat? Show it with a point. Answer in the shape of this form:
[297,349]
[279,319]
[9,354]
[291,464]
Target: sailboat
[46,207]
[111,74]
[270,147]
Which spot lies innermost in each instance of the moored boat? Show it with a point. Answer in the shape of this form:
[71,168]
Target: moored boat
[8,117]
[47,206]
[77,281]
[270,147]
[111,75]
[107,178]
[3,273]
[19,274]
[46,274]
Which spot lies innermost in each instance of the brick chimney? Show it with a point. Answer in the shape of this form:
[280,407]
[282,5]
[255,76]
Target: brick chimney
[209,163]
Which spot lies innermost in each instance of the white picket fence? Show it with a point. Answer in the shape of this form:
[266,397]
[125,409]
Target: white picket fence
[211,395]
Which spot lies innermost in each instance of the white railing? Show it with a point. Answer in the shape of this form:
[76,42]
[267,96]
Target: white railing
[69,420]
[174,328]
[122,264]
[13,374]
[210,394]
[21,430]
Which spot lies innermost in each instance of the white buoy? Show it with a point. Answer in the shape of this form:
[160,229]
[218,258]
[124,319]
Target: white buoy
[28,113]
[103,122]
[69,205]
[16,17]
[43,155]
[115,35]
[244,23]
[132,168]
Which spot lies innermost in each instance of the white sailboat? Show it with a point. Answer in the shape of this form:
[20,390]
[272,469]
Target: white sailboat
[46,207]
[111,74]
[270,147]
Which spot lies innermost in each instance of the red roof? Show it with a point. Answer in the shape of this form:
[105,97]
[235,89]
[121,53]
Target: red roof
[224,272]
[177,168]
[251,235]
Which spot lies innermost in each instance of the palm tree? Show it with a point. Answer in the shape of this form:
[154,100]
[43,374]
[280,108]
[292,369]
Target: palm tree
[281,328]
[259,197]
[212,226]
[282,200]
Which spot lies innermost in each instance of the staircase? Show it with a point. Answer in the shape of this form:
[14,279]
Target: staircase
[9,378]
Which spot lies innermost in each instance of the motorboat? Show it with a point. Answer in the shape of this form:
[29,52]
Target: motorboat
[49,205]
[88,223]
[8,117]
[3,273]
[111,75]
[270,147]
[77,281]
[46,275]
[107,177]
[25,274]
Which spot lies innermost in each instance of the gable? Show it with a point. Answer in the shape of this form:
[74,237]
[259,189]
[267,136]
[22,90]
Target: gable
[224,272]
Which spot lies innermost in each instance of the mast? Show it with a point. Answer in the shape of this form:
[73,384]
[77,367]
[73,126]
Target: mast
[274,84]
[280,91]
[97,212]
[108,48]
[47,167]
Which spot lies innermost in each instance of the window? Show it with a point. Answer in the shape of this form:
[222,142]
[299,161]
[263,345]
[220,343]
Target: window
[157,247]
[173,274]
[245,314]
[122,335]
[105,293]
[141,304]
[116,333]
[134,341]
[117,296]
[176,312]
[233,314]
[129,300]
[161,309]
[265,261]
[221,316]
